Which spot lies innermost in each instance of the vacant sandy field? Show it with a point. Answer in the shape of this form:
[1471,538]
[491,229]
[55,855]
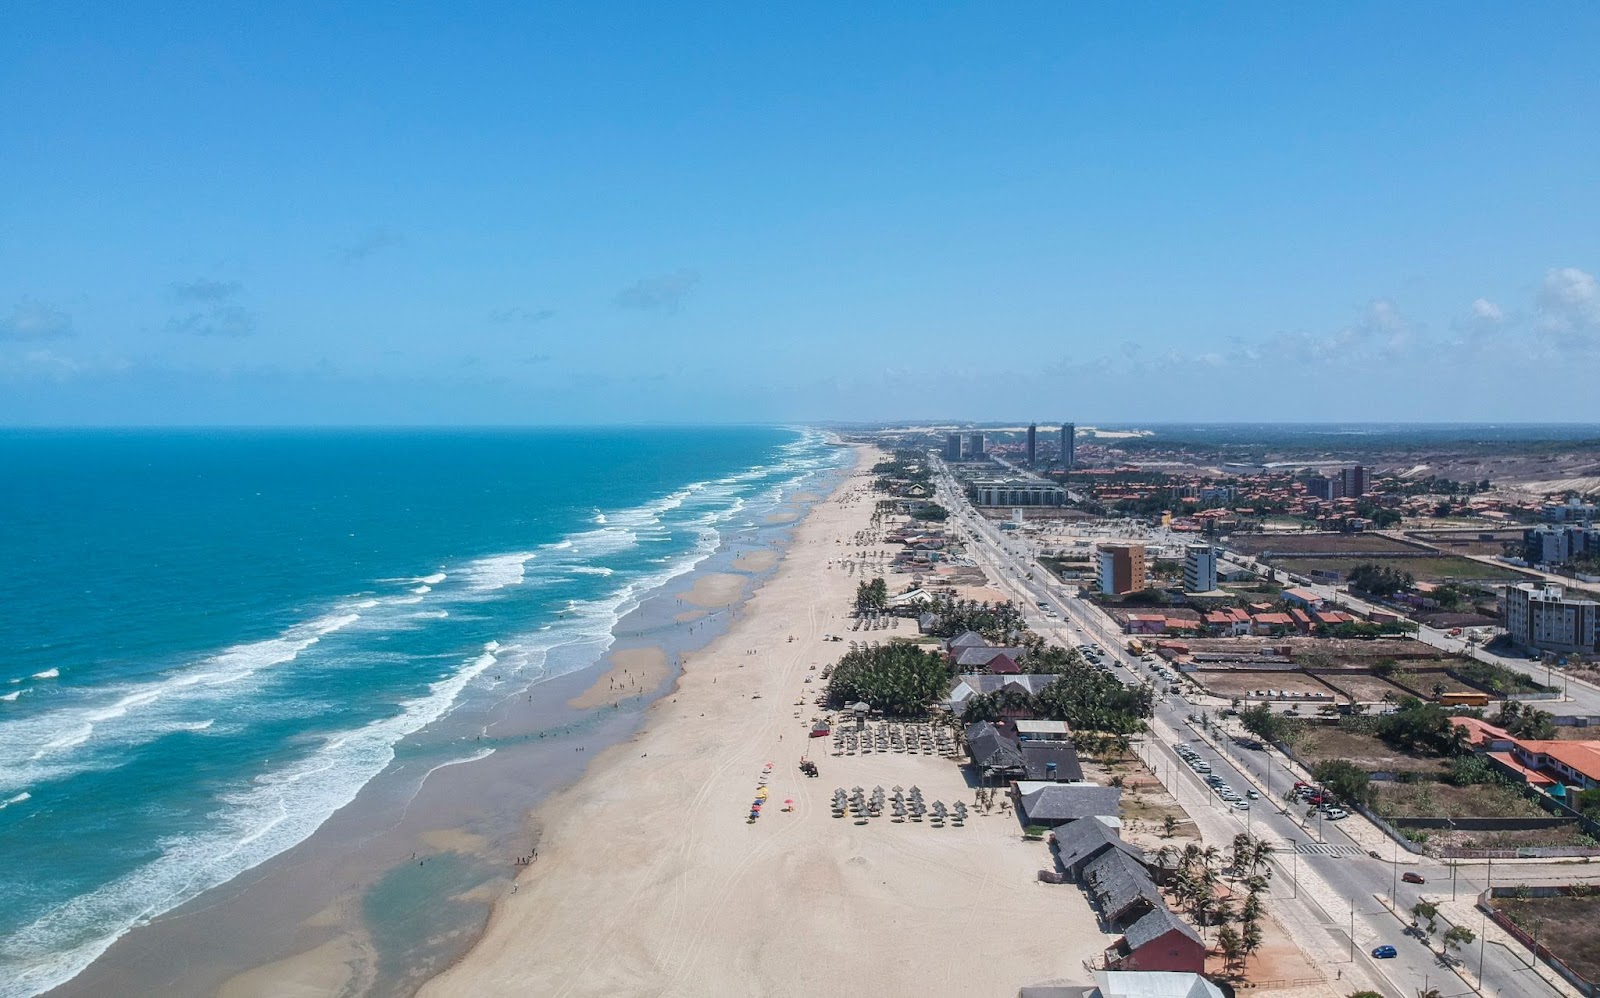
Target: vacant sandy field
[1246,684]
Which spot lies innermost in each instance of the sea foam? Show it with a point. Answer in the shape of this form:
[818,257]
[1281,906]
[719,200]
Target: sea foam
[279,810]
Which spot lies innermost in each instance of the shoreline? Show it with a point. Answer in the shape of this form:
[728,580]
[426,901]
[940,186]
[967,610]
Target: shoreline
[335,913]
[653,880]
[599,773]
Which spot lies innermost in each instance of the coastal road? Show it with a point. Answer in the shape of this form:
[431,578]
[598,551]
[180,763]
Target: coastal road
[1335,888]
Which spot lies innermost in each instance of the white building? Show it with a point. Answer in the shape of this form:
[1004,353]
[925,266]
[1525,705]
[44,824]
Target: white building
[1199,568]
[1019,492]
[1539,616]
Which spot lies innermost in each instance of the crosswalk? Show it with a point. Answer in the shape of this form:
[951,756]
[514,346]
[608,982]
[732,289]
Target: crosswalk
[1325,849]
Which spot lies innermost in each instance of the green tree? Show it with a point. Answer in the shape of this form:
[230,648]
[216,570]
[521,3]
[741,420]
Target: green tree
[898,678]
[1231,945]
[1266,724]
[1467,770]
[1379,580]
[872,596]
[1458,935]
[1344,779]
[1425,911]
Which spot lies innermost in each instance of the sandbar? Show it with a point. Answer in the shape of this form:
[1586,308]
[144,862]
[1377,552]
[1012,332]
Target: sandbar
[715,590]
[755,561]
[634,672]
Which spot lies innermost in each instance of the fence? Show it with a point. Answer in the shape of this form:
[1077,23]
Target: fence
[1555,963]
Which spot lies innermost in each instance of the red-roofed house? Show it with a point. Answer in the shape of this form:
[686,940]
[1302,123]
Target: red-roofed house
[1271,623]
[1147,623]
[1483,736]
[1004,665]
[1532,777]
[1304,597]
[1302,622]
[1231,621]
[1330,618]
[1574,763]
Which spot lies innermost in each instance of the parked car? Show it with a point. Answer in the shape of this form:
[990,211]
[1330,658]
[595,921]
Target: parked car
[1413,877]
[1241,805]
[1384,953]
[1338,814]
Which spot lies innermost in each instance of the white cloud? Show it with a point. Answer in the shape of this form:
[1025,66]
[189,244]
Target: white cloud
[1569,306]
[35,320]
[1484,310]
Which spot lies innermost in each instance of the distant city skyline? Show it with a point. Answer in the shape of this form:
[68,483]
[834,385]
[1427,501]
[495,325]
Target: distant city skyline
[621,215]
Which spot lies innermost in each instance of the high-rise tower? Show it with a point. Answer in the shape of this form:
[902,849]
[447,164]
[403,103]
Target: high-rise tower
[1033,445]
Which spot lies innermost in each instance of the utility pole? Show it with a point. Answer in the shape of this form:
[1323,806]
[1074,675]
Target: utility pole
[1352,930]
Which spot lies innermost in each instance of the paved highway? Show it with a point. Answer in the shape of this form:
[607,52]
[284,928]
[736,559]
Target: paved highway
[1327,885]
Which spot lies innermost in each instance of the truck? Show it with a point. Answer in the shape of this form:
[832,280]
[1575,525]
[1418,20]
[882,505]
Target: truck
[1136,646]
[1471,698]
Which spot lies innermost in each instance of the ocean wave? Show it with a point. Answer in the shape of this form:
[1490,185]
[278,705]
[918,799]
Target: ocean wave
[13,695]
[278,811]
[592,570]
[18,799]
[423,589]
[40,746]
[499,571]
[47,674]
[432,580]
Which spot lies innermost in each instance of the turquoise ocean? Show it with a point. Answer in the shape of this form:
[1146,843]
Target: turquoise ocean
[210,641]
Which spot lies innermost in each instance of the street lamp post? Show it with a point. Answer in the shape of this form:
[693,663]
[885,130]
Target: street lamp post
[1294,864]
[1394,880]
[1483,925]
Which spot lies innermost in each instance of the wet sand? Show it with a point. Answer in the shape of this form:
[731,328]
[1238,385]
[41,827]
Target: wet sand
[755,561]
[400,883]
[634,672]
[715,590]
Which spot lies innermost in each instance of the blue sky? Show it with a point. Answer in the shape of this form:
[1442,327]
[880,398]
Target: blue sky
[516,213]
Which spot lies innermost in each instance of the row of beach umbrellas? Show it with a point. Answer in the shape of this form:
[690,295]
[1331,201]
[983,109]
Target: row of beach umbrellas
[902,806]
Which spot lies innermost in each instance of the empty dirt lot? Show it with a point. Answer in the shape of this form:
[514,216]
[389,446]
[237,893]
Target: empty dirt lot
[1254,544]
[1244,685]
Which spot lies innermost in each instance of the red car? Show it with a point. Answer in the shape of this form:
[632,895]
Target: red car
[1412,877]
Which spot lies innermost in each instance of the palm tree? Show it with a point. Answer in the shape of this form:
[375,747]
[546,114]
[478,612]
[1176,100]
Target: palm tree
[1232,947]
[1251,936]
[1260,855]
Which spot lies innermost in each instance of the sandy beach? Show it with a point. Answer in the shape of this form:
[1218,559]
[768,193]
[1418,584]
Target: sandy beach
[634,672]
[651,880]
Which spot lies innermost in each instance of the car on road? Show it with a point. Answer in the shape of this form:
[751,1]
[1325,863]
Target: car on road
[1384,953]
[1253,795]
[1413,877]
[1241,805]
